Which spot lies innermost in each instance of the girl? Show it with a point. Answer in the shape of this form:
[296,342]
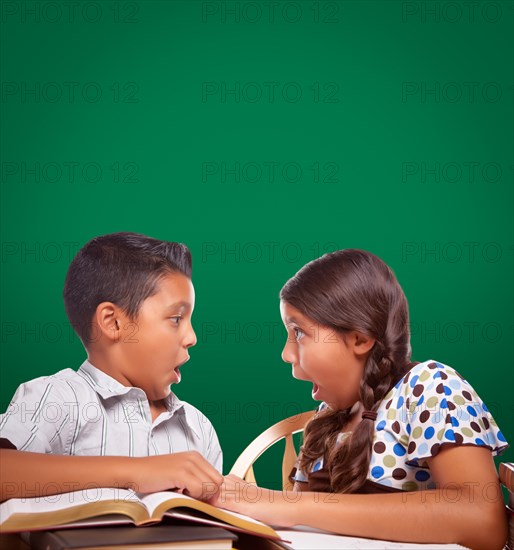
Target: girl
[405,449]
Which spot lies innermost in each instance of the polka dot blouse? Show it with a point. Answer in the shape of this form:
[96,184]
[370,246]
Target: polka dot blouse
[431,406]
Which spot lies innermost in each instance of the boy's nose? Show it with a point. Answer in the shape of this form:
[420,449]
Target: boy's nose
[191,339]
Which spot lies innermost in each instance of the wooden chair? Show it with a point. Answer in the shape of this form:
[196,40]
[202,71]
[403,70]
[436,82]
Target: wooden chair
[243,466]
[507,480]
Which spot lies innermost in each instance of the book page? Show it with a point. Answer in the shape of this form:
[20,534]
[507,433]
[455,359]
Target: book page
[63,501]
[154,500]
[158,504]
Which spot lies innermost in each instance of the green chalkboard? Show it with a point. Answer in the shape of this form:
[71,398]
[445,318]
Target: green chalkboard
[262,134]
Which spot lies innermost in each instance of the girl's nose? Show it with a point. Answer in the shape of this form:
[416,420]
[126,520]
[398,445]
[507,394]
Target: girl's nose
[288,355]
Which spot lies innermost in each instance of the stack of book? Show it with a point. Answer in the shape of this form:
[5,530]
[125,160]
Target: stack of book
[114,538]
[109,518]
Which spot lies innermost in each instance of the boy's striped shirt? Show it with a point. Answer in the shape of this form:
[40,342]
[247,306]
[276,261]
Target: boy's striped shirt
[87,412]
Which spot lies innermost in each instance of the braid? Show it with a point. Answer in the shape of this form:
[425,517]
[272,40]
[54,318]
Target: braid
[348,463]
[319,434]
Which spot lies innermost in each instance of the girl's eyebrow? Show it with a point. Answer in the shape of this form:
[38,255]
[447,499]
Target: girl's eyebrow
[292,320]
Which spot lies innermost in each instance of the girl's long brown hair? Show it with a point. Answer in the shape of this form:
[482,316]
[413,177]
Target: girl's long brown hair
[353,290]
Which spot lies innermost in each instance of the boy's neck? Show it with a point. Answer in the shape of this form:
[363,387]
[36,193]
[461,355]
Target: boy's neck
[156,407]
[103,364]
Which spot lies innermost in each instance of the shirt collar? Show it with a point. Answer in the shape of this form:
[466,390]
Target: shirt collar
[174,405]
[106,386]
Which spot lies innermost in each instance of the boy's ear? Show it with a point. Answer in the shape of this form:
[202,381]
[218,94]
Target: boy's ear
[108,317]
[361,343]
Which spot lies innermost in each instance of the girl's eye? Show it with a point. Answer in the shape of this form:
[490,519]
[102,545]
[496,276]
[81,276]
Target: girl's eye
[176,320]
[298,333]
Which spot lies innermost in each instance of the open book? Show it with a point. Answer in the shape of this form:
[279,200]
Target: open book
[111,506]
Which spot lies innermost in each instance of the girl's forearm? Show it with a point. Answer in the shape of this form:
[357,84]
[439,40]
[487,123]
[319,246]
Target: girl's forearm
[462,516]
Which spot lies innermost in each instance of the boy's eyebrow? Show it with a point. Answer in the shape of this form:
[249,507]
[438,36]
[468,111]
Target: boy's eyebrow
[176,305]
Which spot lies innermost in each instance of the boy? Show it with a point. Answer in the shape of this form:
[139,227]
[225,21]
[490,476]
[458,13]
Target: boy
[130,299]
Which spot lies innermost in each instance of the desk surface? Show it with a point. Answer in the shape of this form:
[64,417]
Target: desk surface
[306,539]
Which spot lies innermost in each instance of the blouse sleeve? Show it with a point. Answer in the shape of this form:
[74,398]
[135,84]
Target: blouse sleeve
[444,409]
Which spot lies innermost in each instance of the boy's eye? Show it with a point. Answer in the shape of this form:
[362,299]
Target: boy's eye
[176,320]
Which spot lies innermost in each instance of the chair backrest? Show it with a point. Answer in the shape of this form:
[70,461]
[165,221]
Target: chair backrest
[243,466]
[507,480]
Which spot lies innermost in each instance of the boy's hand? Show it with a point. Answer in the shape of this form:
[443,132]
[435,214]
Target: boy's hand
[186,472]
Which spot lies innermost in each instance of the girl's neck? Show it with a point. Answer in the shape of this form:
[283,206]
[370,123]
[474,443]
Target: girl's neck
[355,417]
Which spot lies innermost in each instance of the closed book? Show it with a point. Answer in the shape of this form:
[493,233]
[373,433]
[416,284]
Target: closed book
[106,538]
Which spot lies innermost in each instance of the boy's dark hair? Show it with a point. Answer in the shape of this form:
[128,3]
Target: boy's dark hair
[350,290]
[123,268]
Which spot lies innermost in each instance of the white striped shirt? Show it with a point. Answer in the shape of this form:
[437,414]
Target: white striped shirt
[87,412]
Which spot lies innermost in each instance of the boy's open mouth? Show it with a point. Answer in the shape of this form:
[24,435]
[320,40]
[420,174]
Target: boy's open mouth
[182,363]
[176,369]
[175,373]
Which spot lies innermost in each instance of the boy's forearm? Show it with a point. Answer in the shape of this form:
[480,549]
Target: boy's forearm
[24,474]
[423,516]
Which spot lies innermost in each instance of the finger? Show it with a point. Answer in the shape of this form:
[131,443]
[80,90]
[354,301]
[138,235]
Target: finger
[199,485]
[194,487]
[194,474]
[210,491]
[214,499]
[208,471]
[202,462]
[194,464]
[235,478]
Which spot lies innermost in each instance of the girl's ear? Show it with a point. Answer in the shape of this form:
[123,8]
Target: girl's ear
[361,343]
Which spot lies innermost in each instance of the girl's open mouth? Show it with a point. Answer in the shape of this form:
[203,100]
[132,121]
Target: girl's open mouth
[315,390]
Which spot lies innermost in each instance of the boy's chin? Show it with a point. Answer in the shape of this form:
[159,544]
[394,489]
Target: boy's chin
[166,392]
[159,395]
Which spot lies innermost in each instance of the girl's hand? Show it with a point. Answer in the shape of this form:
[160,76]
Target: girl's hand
[271,507]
